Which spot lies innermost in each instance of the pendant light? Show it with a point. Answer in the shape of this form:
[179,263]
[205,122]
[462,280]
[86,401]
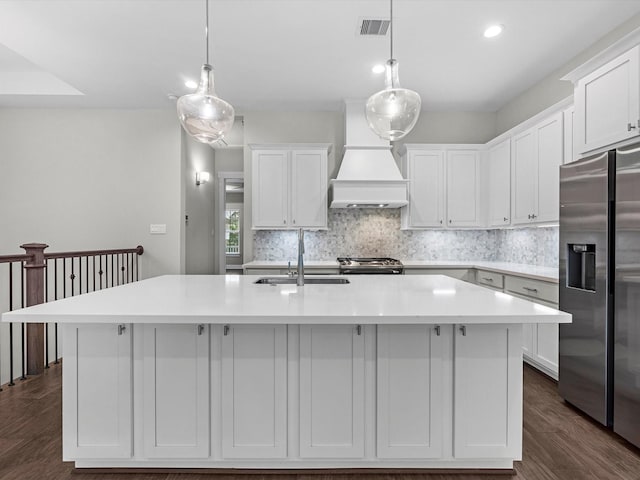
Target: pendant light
[204,115]
[393,112]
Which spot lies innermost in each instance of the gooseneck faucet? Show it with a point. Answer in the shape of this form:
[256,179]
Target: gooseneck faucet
[300,281]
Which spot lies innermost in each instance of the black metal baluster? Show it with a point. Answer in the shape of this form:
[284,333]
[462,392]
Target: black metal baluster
[112,270]
[22,336]
[64,278]
[72,277]
[93,268]
[137,268]
[46,325]
[55,292]
[11,383]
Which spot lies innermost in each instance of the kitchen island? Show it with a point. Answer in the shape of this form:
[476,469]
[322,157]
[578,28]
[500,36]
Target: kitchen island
[219,372]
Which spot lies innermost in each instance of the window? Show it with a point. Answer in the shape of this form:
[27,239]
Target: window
[232,229]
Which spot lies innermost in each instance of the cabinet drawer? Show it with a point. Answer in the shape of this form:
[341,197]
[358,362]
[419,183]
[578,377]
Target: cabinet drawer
[491,279]
[533,289]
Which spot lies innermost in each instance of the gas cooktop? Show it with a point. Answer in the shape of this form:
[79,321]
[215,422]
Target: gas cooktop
[382,265]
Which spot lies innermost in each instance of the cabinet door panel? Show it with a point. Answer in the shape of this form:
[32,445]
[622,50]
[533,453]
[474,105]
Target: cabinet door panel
[488,392]
[529,339]
[254,391]
[525,177]
[463,188]
[309,188]
[606,101]
[331,391]
[426,189]
[548,345]
[499,165]
[97,392]
[410,391]
[550,150]
[176,391]
[270,185]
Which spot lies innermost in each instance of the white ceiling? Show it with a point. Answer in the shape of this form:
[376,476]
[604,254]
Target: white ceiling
[288,54]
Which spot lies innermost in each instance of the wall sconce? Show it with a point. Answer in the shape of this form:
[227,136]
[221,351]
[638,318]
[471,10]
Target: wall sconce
[202,177]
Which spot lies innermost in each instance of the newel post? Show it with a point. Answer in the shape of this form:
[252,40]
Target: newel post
[35,272]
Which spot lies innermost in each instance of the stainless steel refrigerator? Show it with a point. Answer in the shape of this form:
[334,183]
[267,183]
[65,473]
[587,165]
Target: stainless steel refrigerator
[599,369]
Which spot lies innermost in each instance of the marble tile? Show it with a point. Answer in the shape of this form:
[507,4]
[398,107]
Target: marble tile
[376,233]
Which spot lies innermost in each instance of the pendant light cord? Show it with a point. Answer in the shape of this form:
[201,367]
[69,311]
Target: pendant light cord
[206,27]
[391,26]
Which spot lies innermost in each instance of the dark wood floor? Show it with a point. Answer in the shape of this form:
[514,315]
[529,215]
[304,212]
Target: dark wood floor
[559,442]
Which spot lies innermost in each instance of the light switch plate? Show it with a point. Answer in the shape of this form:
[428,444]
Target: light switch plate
[157,229]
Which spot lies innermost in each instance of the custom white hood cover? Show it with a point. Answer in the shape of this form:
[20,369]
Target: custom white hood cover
[368,175]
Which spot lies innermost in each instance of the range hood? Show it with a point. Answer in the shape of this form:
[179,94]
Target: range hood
[368,175]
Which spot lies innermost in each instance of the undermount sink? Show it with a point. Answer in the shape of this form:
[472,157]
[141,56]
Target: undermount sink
[308,281]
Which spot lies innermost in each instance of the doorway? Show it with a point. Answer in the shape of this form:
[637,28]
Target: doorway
[230,245]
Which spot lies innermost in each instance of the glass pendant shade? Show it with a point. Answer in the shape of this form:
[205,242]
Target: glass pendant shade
[204,115]
[392,113]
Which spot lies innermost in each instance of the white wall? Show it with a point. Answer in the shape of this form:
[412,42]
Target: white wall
[199,207]
[453,127]
[551,89]
[81,179]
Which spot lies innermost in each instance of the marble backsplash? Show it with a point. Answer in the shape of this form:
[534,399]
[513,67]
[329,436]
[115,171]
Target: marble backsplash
[376,233]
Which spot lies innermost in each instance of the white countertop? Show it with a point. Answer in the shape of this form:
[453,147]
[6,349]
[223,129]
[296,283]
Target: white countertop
[547,274]
[368,299]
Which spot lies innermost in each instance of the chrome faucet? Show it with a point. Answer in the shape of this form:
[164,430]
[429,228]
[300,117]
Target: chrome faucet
[300,281]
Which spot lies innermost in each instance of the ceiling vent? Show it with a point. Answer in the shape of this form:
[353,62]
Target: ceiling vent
[374,26]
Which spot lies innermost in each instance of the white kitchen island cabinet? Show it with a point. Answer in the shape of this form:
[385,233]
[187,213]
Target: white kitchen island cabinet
[332,397]
[219,372]
[254,391]
[97,418]
[176,390]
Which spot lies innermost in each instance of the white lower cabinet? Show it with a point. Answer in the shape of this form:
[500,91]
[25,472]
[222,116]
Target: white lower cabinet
[332,391]
[97,415]
[410,391]
[254,391]
[487,383]
[540,342]
[176,391]
[529,338]
[421,396]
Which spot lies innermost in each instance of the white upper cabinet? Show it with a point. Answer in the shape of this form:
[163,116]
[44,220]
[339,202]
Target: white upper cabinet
[537,154]
[499,184]
[444,186]
[607,103]
[309,188]
[463,188]
[270,207]
[525,176]
[289,186]
[569,151]
[425,172]
[550,151]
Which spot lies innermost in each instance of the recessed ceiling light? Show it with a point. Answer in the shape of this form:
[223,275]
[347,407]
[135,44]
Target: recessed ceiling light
[378,68]
[190,84]
[493,31]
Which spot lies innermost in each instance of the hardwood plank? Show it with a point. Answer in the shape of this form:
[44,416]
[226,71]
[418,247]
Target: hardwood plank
[559,442]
